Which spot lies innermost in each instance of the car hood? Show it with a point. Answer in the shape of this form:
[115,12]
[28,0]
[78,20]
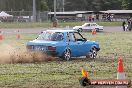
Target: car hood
[42,42]
[92,41]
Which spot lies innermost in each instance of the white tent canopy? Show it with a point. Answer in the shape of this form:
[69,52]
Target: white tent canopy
[4,14]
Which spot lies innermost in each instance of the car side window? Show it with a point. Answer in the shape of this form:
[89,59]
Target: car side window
[57,36]
[60,36]
[71,36]
[88,25]
[78,37]
[93,24]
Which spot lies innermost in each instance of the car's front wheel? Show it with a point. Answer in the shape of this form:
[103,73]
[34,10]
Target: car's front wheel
[92,54]
[67,55]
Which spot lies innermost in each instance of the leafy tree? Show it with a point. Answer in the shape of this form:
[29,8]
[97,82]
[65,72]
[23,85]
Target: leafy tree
[43,6]
[127,4]
[70,5]
[50,4]
[76,5]
[106,4]
[130,4]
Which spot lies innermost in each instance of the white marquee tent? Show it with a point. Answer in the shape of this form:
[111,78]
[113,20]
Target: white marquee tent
[4,14]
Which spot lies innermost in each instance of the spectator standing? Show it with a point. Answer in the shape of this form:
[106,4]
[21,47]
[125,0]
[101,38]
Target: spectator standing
[90,18]
[109,17]
[123,25]
[129,25]
[93,17]
[97,17]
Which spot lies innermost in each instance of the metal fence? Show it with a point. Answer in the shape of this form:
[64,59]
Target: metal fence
[24,16]
[27,16]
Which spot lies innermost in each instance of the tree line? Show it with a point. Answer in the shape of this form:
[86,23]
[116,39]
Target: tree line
[69,5]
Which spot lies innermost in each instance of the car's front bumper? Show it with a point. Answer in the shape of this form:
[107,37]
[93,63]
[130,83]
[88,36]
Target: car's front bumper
[52,53]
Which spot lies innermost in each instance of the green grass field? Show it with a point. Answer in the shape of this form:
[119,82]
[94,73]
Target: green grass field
[65,74]
[49,24]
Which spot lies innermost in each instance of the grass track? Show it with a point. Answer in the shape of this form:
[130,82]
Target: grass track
[65,74]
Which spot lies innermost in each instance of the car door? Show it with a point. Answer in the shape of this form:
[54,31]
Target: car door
[94,26]
[82,44]
[72,44]
[86,27]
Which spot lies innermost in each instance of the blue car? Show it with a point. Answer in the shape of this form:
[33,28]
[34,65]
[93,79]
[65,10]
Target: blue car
[64,44]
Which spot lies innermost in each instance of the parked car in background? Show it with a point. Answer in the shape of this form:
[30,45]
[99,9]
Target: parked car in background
[88,27]
[64,44]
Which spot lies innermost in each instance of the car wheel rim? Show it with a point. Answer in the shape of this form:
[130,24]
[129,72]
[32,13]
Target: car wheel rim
[90,55]
[67,55]
[93,54]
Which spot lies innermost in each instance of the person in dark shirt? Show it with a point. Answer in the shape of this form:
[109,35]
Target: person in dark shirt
[123,25]
[130,25]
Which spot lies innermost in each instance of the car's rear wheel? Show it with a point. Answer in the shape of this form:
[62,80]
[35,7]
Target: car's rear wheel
[97,29]
[67,55]
[92,54]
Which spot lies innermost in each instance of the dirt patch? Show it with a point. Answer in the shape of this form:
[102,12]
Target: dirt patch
[9,54]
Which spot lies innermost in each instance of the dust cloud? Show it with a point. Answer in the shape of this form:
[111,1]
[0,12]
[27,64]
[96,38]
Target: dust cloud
[9,54]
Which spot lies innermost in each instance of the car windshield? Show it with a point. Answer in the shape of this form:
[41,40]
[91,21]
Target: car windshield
[51,36]
[84,24]
[94,25]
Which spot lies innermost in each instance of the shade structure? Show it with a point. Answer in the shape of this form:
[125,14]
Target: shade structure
[4,14]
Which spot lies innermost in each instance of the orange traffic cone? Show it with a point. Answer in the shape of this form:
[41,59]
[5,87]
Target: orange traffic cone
[120,72]
[1,36]
[84,73]
[18,35]
[120,69]
[94,32]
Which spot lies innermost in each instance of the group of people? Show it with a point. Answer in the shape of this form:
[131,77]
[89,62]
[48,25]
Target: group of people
[128,26]
[107,17]
[97,17]
[93,17]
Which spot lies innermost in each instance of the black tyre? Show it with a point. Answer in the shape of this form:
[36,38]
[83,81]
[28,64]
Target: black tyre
[67,55]
[92,54]
[97,29]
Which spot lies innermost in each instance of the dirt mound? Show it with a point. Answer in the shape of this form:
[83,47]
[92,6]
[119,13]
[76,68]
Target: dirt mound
[9,54]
